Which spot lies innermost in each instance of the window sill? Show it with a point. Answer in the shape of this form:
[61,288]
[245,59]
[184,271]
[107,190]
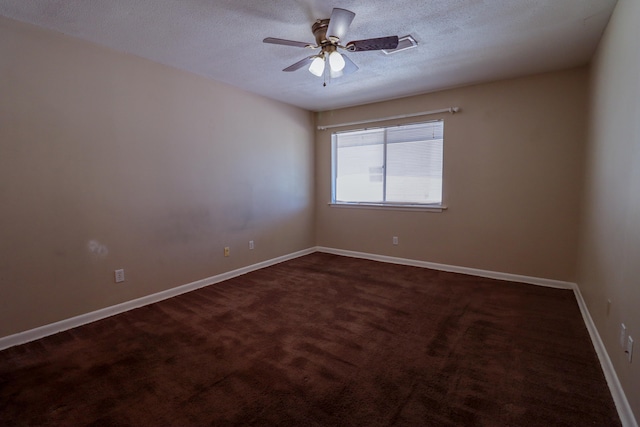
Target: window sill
[394,207]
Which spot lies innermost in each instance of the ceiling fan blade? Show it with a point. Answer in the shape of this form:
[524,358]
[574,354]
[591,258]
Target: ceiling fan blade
[349,67]
[339,23]
[389,42]
[284,42]
[300,64]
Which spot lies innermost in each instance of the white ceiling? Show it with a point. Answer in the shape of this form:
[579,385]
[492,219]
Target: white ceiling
[460,41]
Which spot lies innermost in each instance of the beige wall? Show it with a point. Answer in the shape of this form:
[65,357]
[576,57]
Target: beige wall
[609,265]
[512,179]
[109,161]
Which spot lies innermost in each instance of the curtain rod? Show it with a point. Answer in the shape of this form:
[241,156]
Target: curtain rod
[451,110]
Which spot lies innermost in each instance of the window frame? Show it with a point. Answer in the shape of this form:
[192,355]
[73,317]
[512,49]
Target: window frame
[410,206]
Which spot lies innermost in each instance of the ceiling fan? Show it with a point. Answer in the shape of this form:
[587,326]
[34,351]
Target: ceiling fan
[328,33]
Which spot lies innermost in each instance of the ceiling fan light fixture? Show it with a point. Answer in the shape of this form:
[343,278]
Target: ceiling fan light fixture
[335,74]
[317,66]
[336,61]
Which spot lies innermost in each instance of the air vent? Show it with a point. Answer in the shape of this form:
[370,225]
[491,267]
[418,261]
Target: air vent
[404,43]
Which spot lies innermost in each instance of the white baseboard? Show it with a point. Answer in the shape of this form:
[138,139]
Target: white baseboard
[452,268]
[83,319]
[620,399]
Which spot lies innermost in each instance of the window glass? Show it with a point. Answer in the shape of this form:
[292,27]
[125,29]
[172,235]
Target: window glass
[393,165]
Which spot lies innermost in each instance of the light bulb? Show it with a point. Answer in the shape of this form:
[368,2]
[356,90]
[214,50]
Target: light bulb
[317,66]
[336,61]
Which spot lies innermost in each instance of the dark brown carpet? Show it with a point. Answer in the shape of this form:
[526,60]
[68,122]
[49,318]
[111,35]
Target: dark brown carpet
[321,340]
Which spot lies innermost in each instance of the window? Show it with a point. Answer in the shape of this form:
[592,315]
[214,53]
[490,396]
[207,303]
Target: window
[399,165]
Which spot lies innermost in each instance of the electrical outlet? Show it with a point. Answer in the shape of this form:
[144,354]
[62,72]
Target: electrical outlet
[629,349]
[623,336]
[226,251]
[250,244]
[395,240]
[119,275]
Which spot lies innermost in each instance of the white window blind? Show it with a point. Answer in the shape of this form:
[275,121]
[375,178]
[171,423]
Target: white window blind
[392,165]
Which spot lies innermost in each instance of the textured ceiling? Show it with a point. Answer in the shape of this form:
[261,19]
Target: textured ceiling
[460,41]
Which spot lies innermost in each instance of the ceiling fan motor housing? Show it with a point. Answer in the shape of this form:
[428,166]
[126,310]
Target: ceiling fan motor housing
[319,29]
